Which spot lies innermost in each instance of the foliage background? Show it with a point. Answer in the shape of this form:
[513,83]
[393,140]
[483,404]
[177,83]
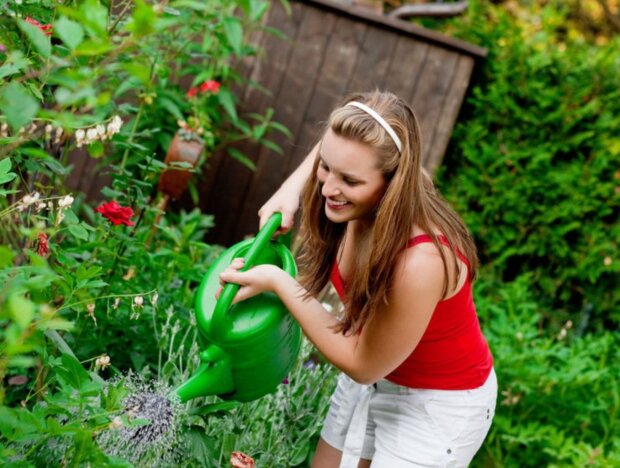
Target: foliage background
[533,167]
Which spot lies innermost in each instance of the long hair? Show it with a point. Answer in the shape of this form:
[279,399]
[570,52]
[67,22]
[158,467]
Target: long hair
[410,198]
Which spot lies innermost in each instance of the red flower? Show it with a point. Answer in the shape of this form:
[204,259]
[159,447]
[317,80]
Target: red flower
[193,91]
[241,460]
[45,28]
[116,213]
[210,85]
[44,247]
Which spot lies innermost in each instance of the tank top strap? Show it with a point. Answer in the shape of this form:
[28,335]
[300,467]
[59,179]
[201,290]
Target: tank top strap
[425,238]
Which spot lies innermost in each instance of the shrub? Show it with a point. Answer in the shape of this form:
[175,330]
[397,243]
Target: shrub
[534,163]
[559,392]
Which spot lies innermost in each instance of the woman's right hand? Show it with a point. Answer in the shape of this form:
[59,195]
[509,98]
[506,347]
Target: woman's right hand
[285,201]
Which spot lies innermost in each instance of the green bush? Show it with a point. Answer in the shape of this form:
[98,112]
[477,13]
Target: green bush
[534,167]
[559,394]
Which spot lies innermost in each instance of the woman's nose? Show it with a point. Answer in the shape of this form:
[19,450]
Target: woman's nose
[330,187]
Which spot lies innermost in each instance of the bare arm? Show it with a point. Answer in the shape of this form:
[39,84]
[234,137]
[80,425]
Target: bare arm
[286,198]
[386,340]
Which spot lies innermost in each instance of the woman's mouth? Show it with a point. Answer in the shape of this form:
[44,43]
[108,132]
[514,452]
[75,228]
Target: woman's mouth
[336,204]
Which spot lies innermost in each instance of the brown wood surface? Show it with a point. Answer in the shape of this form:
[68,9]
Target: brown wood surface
[450,110]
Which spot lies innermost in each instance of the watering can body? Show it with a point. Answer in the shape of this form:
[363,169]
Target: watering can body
[249,347]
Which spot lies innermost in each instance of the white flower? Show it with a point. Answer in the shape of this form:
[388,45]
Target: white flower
[101,132]
[114,126]
[154,298]
[90,308]
[48,129]
[102,361]
[59,132]
[65,202]
[116,303]
[116,423]
[91,135]
[41,206]
[30,199]
[138,301]
[79,137]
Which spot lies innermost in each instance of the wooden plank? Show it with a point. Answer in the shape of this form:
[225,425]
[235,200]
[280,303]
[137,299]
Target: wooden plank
[332,85]
[230,183]
[434,81]
[373,61]
[449,114]
[404,70]
[294,95]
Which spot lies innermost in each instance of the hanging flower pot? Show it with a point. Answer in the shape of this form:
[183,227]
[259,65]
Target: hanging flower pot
[186,147]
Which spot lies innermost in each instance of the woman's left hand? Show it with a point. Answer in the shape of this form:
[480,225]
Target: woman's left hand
[256,280]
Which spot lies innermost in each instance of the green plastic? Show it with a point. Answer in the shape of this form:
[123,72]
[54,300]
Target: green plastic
[252,345]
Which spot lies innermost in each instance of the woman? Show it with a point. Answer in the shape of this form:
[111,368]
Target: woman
[417,385]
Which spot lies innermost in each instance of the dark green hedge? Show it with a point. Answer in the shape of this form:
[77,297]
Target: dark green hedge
[534,164]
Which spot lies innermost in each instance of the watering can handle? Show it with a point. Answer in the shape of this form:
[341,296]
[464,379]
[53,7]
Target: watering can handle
[260,242]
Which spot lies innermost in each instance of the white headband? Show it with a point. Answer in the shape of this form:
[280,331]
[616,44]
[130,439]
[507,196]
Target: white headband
[379,119]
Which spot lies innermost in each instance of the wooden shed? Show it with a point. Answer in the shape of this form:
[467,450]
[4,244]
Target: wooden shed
[330,50]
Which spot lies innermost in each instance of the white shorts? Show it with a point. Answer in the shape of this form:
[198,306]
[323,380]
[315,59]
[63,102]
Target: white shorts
[396,426]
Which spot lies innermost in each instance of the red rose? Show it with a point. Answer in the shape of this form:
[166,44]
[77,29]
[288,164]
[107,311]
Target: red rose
[192,92]
[44,247]
[116,213]
[210,85]
[45,28]
[241,460]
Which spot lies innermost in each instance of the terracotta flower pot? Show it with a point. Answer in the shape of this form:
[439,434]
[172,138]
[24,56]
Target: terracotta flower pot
[173,181]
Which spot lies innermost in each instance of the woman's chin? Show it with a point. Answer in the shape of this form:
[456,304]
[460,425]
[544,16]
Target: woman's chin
[341,215]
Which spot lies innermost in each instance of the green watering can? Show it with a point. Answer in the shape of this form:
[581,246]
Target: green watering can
[250,346]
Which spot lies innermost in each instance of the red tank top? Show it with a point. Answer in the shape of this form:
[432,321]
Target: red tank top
[452,353]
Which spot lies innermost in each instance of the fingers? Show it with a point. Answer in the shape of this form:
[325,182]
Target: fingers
[287,219]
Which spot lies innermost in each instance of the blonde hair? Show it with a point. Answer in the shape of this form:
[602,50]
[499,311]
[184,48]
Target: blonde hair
[410,198]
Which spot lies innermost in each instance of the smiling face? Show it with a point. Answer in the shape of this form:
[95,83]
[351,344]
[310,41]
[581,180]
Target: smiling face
[350,180]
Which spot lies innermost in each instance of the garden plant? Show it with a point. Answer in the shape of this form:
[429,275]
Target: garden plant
[96,295]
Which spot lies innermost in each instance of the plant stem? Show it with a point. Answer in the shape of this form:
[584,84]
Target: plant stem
[131,137]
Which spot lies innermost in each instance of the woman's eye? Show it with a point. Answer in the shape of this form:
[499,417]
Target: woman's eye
[351,182]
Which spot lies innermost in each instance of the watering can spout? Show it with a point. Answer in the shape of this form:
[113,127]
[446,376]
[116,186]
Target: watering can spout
[213,377]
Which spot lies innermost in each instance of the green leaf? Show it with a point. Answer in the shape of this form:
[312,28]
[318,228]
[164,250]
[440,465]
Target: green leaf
[90,48]
[94,17]
[234,34]
[71,372]
[37,38]
[22,361]
[14,63]
[5,175]
[227,101]
[17,105]
[21,309]
[96,149]
[171,107]
[6,256]
[78,231]
[70,32]
[258,11]
[242,158]
[144,19]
